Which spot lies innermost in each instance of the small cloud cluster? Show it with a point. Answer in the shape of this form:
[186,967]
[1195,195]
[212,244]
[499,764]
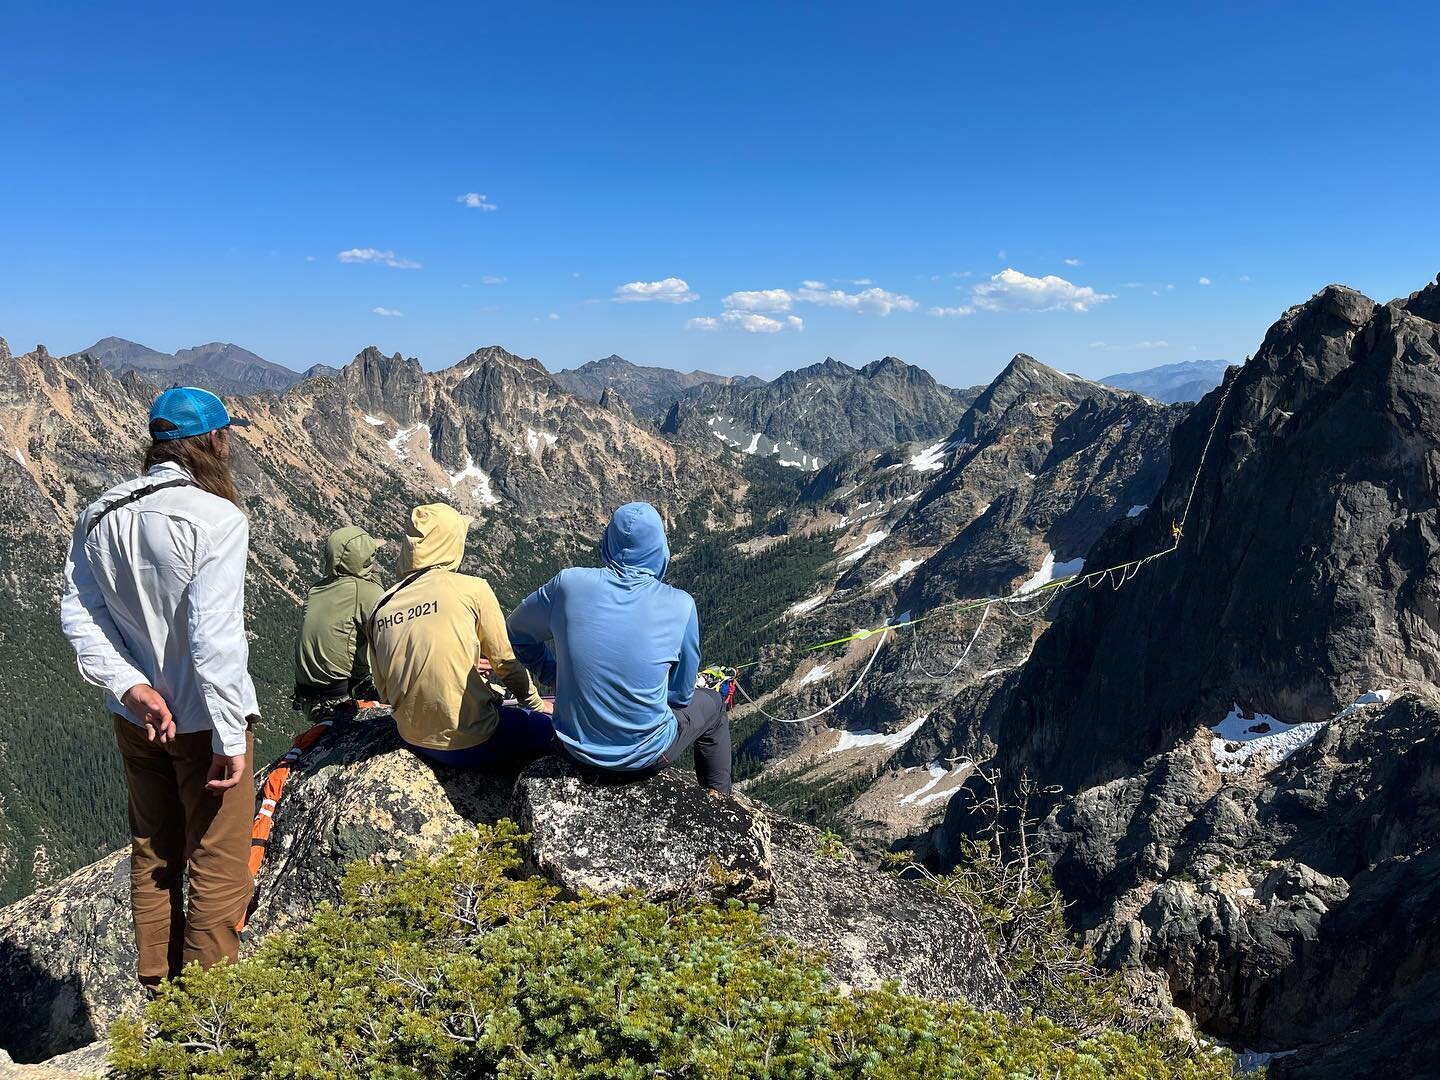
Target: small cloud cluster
[752,322]
[378,257]
[389,313]
[1010,290]
[1071,262]
[670,290]
[1204,281]
[492,279]
[871,301]
[950,312]
[473,200]
[760,300]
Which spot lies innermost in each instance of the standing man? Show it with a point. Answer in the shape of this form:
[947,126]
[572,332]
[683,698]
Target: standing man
[154,607]
[626,650]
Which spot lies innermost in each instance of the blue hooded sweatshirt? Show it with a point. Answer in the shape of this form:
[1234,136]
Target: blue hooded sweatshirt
[626,646]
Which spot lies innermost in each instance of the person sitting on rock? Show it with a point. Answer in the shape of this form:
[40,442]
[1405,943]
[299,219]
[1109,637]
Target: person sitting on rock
[332,663]
[427,636]
[626,650]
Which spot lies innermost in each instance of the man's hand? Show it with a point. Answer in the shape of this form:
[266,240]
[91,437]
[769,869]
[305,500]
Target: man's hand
[484,667]
[147,706]
[547,706]
[224,773]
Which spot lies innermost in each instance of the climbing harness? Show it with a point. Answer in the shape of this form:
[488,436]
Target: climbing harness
[1040,597]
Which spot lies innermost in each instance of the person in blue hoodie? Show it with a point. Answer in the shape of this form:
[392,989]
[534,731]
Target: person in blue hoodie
[622,649]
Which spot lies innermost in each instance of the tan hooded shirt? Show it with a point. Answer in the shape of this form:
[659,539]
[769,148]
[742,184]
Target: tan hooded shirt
[428,632]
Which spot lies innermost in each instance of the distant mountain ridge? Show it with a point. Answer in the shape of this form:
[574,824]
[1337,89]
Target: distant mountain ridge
[218,366]
[816,413]
[1188,380]
[649,391]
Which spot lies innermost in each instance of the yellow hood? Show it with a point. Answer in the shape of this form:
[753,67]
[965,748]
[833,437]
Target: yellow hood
[436,537]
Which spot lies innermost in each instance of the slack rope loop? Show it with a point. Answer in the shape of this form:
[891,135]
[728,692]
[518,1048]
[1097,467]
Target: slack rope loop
[985,614]
[1046,593]
[884,633]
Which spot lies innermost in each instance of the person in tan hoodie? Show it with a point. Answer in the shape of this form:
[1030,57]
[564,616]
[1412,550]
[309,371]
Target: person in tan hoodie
[427,637]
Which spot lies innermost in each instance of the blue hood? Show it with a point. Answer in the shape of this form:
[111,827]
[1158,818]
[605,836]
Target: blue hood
[635,542]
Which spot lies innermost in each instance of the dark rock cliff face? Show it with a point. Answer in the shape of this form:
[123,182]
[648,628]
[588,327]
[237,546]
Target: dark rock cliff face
[1238,745]
[66,953]
[1306,570]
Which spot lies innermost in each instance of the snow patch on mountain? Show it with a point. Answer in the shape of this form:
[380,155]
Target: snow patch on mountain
[1049,571]
[931,459]
[873,538]
[865,737]
[906,565]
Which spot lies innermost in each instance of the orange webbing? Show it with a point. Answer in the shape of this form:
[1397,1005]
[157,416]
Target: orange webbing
[270,799]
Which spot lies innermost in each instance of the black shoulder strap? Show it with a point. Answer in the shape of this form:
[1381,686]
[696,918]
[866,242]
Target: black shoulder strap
[387,597]
[133,497]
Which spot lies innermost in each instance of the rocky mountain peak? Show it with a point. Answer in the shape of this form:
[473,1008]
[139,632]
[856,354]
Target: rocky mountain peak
[828,368]
[1024,381]
[1426,302]
[385,384]
[4,349]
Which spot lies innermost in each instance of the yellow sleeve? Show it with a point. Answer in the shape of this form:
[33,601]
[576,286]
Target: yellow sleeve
[495,645]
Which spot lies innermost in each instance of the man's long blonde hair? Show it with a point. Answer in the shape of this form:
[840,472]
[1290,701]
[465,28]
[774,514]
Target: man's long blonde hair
[198,455]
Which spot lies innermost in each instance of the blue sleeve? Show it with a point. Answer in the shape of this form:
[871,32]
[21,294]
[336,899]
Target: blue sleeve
[682,675]
[529,630]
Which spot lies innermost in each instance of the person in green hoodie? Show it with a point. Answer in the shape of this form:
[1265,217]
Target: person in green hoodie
[332,665]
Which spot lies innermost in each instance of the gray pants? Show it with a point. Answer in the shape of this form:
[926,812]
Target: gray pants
[705,725]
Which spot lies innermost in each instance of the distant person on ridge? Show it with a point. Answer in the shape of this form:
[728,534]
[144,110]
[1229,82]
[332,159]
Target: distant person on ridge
[626,653]
[154,607]
[332,663]
[427,637]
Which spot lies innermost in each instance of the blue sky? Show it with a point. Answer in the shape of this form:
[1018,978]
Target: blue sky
[1061,180]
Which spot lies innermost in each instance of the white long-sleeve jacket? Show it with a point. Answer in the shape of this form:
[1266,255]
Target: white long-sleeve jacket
[156,594]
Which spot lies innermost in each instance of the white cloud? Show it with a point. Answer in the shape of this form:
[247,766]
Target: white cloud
[389,313]
[749,321]
[1244,277]
[760,300]
[1127,348]
[872,301]
[554,316]
[493,279]
[670,290]
[1010,290]
[1071,262]
[475,201]
[812,284]
[945,312]
[311,258]
[374,255]
[1204,281]
[862,281]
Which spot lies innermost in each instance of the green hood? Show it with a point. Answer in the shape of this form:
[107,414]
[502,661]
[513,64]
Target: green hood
[351,552]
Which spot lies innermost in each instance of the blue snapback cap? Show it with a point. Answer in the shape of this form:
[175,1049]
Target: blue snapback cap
[185,411]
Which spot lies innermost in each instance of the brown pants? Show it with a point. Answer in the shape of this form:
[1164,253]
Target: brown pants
[175,822]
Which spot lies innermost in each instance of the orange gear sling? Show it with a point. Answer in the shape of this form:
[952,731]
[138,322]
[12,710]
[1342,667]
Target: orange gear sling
[269,798]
